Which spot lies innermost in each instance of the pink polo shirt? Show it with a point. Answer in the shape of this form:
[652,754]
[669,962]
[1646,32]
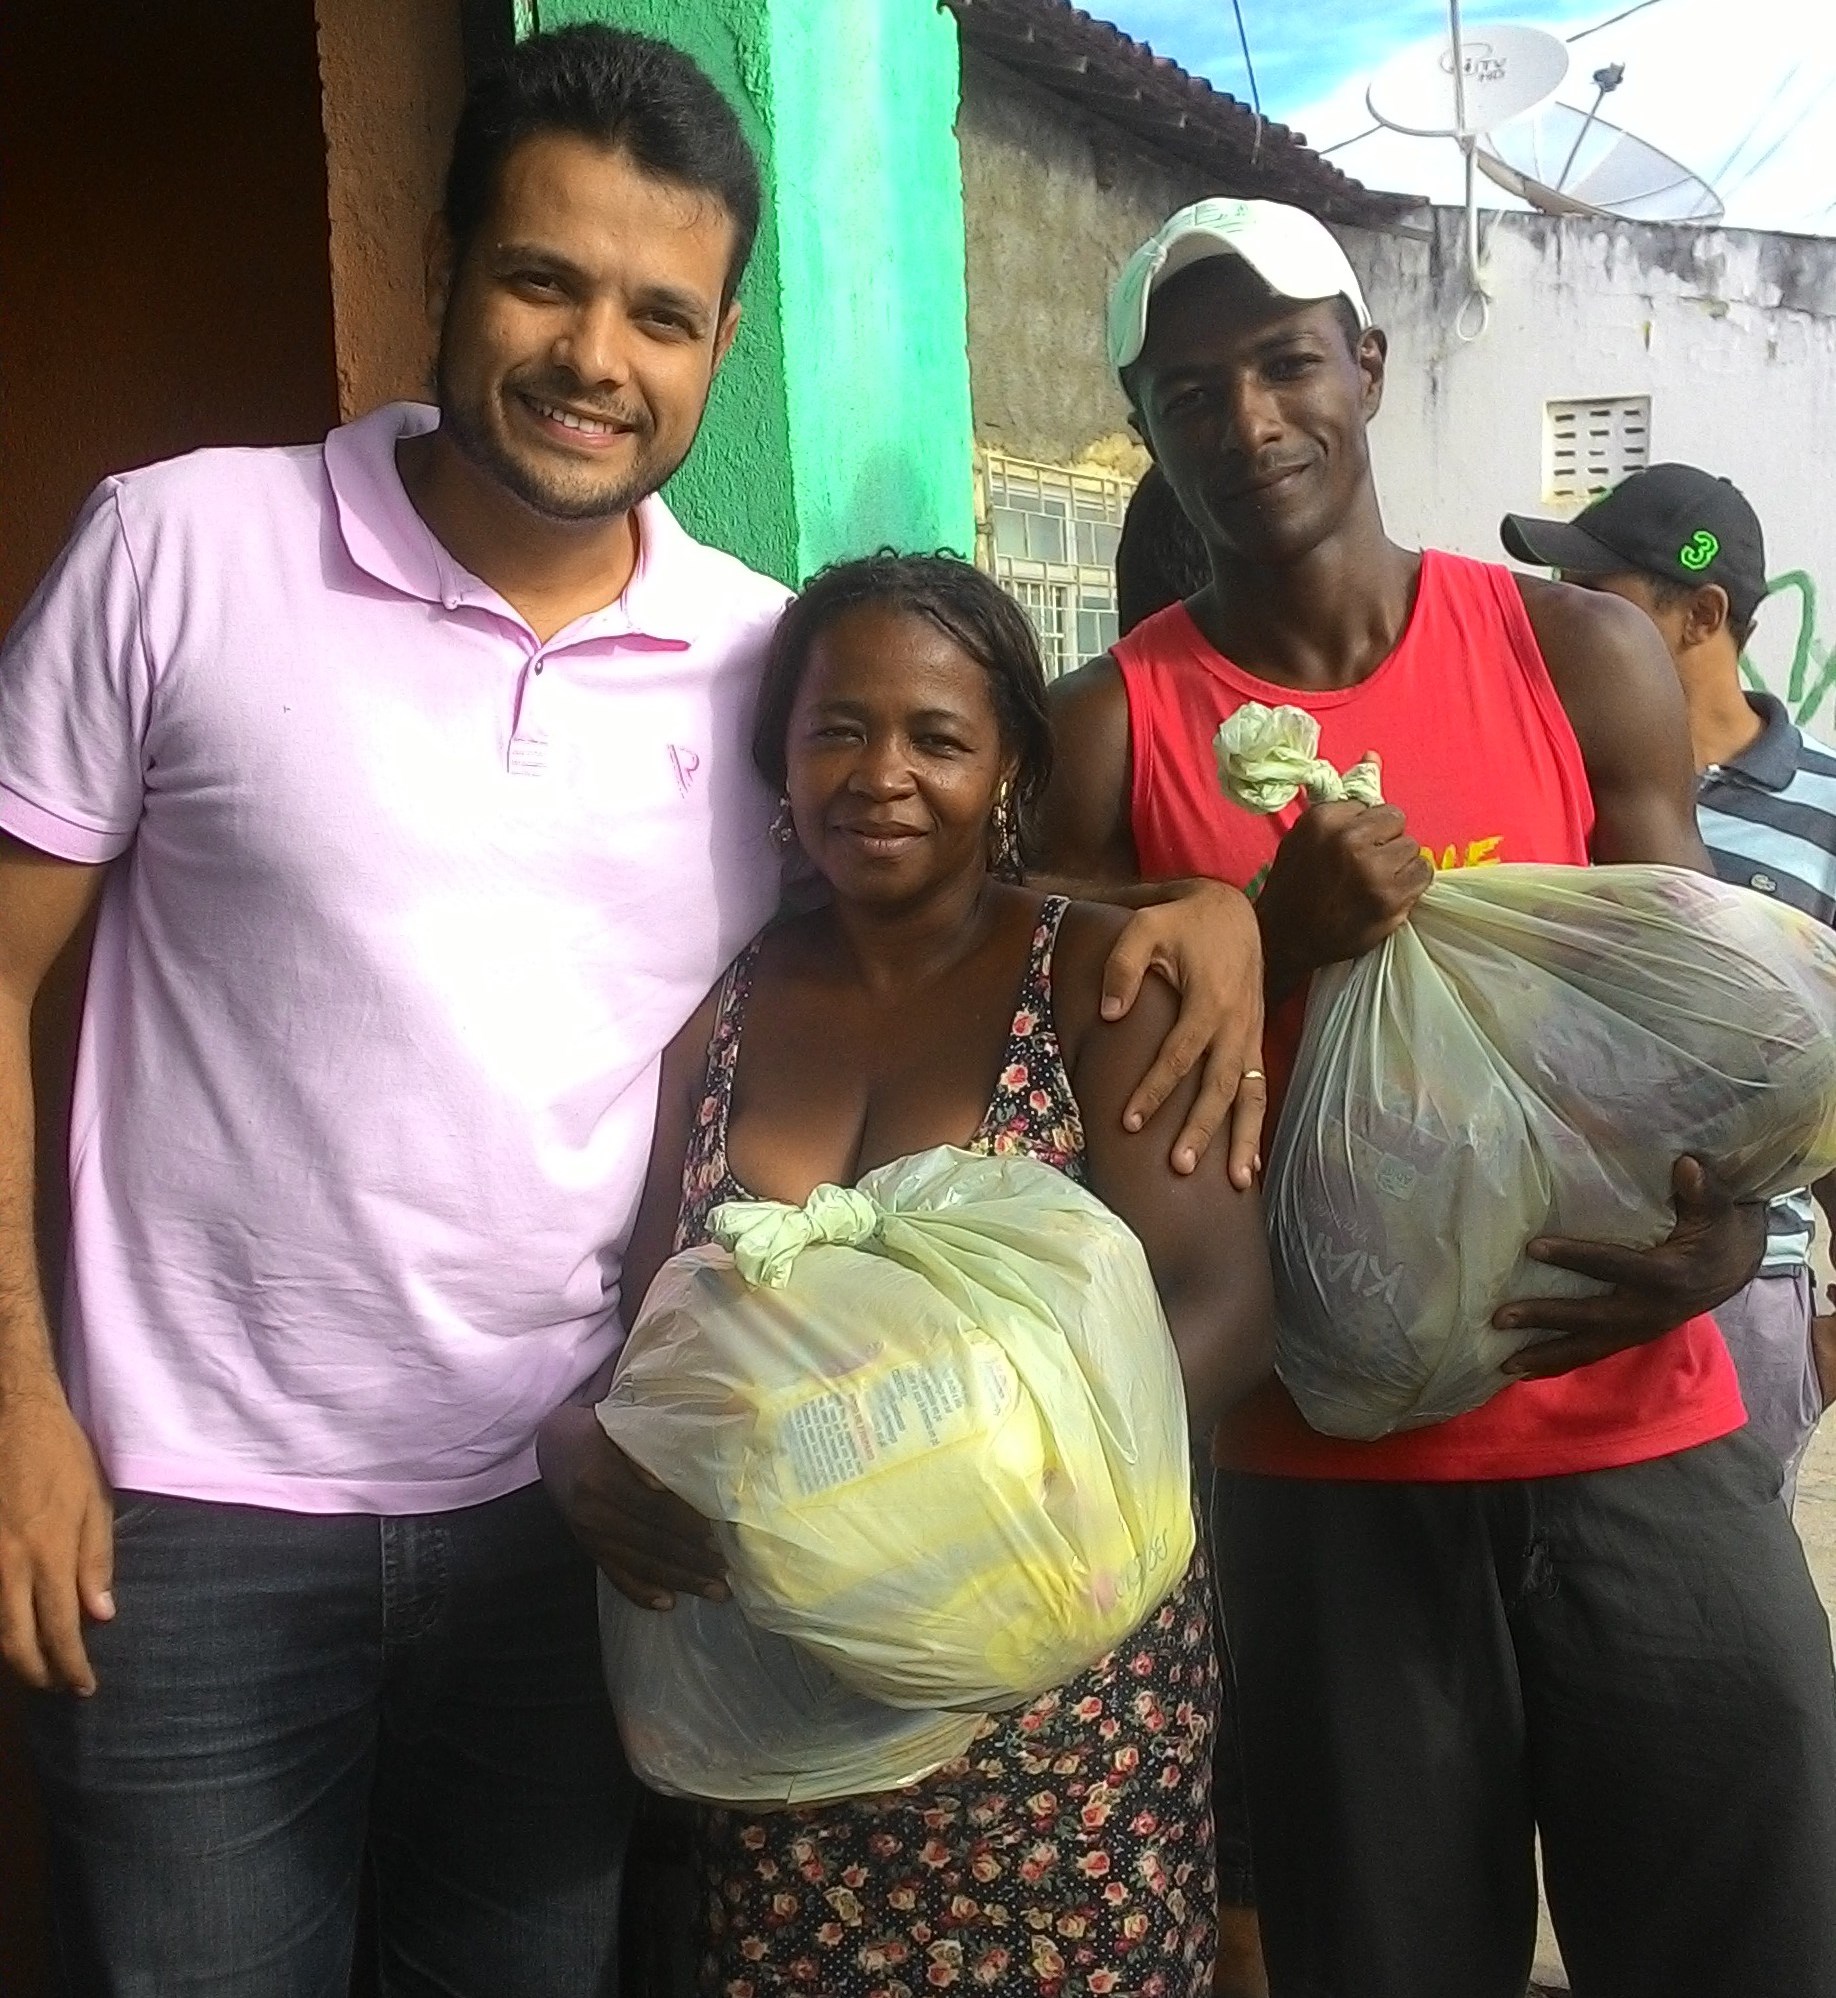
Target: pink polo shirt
[410,906]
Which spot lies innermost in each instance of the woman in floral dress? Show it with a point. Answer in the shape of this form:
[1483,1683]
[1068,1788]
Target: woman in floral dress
[1069,1850]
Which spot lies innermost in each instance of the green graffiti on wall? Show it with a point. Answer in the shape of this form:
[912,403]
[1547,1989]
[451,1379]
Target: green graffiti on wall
[1811,677]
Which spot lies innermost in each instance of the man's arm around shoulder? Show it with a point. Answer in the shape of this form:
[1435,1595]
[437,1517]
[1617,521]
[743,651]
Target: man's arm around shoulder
[1199,935]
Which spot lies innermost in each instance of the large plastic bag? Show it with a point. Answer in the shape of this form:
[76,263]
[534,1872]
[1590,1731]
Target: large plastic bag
[1530,1053]
[710,1706]
[937,1419]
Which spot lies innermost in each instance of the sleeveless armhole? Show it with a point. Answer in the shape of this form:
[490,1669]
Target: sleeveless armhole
[1527,654]
[1139,748]
[706,1177]
[1152,712]
[1033,1110]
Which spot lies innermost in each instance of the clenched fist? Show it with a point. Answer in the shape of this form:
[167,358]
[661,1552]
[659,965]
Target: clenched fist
[1342,880]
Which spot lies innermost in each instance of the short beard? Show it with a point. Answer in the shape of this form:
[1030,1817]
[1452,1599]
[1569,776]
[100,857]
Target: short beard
[481,448]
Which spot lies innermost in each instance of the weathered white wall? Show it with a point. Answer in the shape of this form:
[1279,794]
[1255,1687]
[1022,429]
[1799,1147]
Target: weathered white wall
[1731,333]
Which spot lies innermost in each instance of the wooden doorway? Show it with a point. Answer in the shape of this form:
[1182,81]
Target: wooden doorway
[165,283]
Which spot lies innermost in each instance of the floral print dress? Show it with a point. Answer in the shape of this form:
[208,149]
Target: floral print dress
[1069,1850]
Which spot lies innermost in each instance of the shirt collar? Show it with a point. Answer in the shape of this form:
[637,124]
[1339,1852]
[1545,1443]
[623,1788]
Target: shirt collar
[388,539]
[664,599]
[1771,759]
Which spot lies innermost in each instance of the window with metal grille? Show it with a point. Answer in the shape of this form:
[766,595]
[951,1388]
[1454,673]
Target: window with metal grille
[1048,536]
[1590,445]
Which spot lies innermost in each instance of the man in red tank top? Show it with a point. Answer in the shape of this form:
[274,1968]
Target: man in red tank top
[1580,1608]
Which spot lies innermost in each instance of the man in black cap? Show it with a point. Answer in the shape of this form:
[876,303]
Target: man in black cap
[1687,549]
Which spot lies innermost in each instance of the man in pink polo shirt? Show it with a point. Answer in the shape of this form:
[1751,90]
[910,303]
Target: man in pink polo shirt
[420,761]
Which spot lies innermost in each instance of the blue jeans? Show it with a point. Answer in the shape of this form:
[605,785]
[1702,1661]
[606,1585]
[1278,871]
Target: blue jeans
[286,1700]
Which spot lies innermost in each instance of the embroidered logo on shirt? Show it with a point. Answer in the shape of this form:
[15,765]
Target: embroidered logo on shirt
[685,762]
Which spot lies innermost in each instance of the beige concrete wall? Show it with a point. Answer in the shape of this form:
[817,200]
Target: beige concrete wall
[392,77]
[1053,203]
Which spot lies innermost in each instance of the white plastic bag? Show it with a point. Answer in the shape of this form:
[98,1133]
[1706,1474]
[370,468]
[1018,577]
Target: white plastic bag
[938,1420]
[710,1706]
[1528,1055]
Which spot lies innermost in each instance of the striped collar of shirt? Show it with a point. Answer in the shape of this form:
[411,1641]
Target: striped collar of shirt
[1768,819]
[1768,816]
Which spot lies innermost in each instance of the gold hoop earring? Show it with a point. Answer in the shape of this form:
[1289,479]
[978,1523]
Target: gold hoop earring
[1004,835]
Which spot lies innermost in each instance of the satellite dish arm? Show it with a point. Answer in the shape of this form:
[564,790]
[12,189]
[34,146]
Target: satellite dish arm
[1468,142]
[1459,71]
[1604,80]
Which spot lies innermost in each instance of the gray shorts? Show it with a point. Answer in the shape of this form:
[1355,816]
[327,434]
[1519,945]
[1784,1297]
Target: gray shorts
[1767,1329]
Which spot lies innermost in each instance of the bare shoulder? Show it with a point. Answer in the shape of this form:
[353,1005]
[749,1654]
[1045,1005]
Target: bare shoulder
[1089,932]
[1090,693]
[1083,827]
[1585,634]
[1607,661]
[1089,710]
[1616,681]
[792,942]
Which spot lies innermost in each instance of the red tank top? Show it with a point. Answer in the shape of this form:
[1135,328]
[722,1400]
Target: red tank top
[1478,752]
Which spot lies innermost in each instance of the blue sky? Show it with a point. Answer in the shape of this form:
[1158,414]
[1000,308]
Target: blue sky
[1743,93]
[1303,49]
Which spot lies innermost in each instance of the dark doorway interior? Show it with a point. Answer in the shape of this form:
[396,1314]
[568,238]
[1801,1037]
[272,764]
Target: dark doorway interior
[165,275]
[165,283]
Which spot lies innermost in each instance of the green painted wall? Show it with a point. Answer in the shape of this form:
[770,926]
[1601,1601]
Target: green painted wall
[870,231]
[841,420]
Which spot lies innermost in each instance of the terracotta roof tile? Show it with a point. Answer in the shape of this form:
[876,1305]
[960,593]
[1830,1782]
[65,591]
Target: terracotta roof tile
[1095,65]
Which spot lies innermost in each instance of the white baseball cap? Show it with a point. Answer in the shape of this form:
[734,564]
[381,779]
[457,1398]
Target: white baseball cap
[1292,252]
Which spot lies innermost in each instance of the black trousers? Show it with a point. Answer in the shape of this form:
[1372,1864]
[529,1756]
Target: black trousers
[1633,1661]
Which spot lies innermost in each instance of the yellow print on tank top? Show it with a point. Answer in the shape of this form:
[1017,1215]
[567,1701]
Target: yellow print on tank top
[1477,853]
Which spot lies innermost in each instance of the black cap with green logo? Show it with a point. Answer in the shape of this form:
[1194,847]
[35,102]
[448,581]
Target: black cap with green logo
[1673,521]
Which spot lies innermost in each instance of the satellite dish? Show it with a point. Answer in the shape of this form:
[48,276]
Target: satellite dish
[1569,162]
[1457,87]
[1502,72]
[1491,92]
